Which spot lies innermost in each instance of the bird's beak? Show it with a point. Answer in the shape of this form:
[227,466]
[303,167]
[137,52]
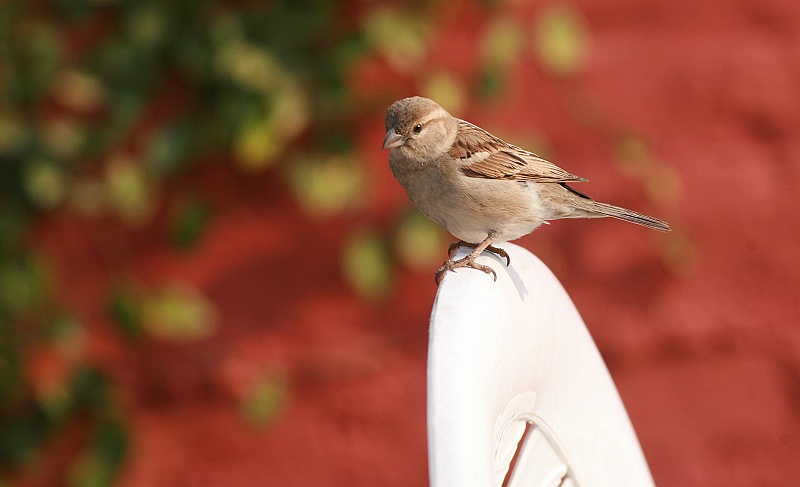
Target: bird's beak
[393,139]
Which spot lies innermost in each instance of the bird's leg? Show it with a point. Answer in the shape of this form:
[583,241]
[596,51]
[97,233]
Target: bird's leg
[469,260]
[495,250]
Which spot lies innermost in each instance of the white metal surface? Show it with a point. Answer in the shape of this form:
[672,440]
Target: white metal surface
[504,355]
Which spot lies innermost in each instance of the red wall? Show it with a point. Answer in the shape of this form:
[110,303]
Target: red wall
[700,327]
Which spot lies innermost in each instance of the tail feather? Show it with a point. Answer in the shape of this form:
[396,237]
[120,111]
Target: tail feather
[604,209]
[595,209]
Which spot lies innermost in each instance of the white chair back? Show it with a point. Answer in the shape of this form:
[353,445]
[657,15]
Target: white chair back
[512,360]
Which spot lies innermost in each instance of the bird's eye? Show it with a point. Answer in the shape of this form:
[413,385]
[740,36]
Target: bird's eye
[417,128]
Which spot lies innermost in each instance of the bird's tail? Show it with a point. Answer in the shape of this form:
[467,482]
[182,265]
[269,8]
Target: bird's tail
[604,209]
[589,208]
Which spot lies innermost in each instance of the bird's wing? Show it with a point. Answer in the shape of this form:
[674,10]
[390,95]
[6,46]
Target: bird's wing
[486,156]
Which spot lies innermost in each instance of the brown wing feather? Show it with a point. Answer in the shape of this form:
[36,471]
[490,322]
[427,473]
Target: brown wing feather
[504,161]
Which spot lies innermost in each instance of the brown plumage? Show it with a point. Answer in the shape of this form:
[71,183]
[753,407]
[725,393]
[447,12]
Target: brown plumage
[480,188]
[492,158]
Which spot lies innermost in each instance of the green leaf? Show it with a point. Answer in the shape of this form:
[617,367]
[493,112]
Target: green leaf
[131,190]
[44,183]
[111,444]
[124,309]
[169,148]
[400,36]
[177,313]
[37,55]
[258,144]
[366,264]
[561,40]
[420,243]
[266,400]
[101,462]
[492,82]
[23,285]
[90,389]
[146,25]
[503,40]
[190,221]
[57,402]
[328,184]
[447,90]
[90,471]
[22,435]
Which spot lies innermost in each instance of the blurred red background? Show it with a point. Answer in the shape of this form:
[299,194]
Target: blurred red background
[285,343]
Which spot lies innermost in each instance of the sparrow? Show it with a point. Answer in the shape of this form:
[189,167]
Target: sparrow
[478,187]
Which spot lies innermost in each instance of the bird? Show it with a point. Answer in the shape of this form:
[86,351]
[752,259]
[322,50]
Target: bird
[478,187]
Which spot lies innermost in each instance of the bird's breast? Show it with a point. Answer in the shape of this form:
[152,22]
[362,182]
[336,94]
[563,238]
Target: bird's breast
[470,207]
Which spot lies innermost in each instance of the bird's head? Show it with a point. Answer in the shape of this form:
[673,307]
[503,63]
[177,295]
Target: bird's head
[419,128]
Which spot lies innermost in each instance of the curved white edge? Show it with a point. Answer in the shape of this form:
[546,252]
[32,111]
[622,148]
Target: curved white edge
[491,342]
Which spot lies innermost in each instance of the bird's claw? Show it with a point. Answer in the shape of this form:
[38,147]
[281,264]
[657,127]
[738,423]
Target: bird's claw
[484,268]
[455,246]
[501,253]
[495,250]
[452,265]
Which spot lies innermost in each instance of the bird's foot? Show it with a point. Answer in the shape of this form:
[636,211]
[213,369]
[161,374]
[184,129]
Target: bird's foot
[468,261]
[495,250]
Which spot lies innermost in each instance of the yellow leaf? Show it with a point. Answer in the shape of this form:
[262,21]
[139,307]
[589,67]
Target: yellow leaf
[366,265]
[328,184]
[290,111]
[401,37]
[420,243]
[177,313]
[502,42]
[446,90]
[561,40]
[257,145]
[130,190]
[251,66]
[44,183]
[266,400]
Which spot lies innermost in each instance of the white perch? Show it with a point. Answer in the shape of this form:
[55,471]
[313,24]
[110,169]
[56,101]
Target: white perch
[513,358]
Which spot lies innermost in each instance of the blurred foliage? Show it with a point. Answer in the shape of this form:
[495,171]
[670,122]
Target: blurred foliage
[401,35]
[446,90]
[104,103]
[101,105]
[189,219]
[328,183]
[266,399]
[419,241]
[635,158]
[175,313]
[366,264]
[561,39]
[503,41]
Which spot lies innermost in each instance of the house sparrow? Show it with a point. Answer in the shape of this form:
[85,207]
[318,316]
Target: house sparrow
[478,187]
